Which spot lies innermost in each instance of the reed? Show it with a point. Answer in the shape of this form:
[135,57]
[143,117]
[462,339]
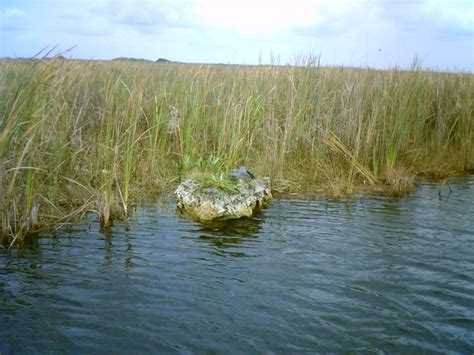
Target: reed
[79,137]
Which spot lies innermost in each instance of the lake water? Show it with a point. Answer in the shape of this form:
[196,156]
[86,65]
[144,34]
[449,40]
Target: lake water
[366,274]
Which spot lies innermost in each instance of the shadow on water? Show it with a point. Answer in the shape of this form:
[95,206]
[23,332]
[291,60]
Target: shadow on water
[231,237]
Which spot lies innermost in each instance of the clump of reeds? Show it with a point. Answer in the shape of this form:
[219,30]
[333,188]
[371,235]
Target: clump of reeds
[79,137]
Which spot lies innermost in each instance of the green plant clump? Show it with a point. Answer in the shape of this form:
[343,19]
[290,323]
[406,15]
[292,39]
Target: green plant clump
[220,181]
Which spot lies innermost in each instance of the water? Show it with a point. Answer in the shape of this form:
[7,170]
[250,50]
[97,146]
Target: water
[368,274]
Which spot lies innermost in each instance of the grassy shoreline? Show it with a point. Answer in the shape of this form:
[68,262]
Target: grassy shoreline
[78,136]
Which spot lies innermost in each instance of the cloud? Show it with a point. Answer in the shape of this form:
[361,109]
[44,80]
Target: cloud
[255,17]
[430,16]
[350,32]
[454,22]
[146,16]
[9,13]
[11,18]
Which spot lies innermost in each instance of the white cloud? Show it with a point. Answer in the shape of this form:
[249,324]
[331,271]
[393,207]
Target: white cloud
[147,14]
[349,32]
[256,17]
[457,20]
[11,18]
[12,12]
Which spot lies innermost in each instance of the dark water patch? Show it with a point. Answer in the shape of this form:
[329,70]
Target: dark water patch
[366,274]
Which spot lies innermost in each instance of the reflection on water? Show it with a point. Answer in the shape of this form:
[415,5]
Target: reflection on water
[231,237]
[365,274]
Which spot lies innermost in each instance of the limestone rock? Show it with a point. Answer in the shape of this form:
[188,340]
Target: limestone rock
[206,204]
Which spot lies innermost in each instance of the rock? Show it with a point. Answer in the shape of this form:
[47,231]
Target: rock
[206,204]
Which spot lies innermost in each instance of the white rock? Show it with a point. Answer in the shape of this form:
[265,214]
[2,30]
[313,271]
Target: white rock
[207,204]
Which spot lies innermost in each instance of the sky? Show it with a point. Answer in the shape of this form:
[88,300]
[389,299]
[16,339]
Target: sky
[363,33]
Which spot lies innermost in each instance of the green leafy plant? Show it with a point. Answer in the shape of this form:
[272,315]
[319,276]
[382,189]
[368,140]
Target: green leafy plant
[219,181]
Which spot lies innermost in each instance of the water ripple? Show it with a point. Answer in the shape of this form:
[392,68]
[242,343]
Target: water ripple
[366,274]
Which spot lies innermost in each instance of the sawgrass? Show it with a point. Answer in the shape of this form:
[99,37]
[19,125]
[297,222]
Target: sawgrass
[79,137]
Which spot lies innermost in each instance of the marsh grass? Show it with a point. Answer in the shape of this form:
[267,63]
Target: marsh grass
[79,136]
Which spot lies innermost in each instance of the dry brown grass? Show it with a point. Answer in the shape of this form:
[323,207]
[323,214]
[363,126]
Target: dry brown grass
[81,136]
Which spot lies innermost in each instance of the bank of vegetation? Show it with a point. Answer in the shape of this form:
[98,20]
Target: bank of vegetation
[79,137]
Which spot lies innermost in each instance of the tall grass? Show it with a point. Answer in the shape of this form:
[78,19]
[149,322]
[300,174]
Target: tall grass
[81,136]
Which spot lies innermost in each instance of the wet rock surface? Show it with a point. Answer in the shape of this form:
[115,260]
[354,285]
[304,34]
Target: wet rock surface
[206,204]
